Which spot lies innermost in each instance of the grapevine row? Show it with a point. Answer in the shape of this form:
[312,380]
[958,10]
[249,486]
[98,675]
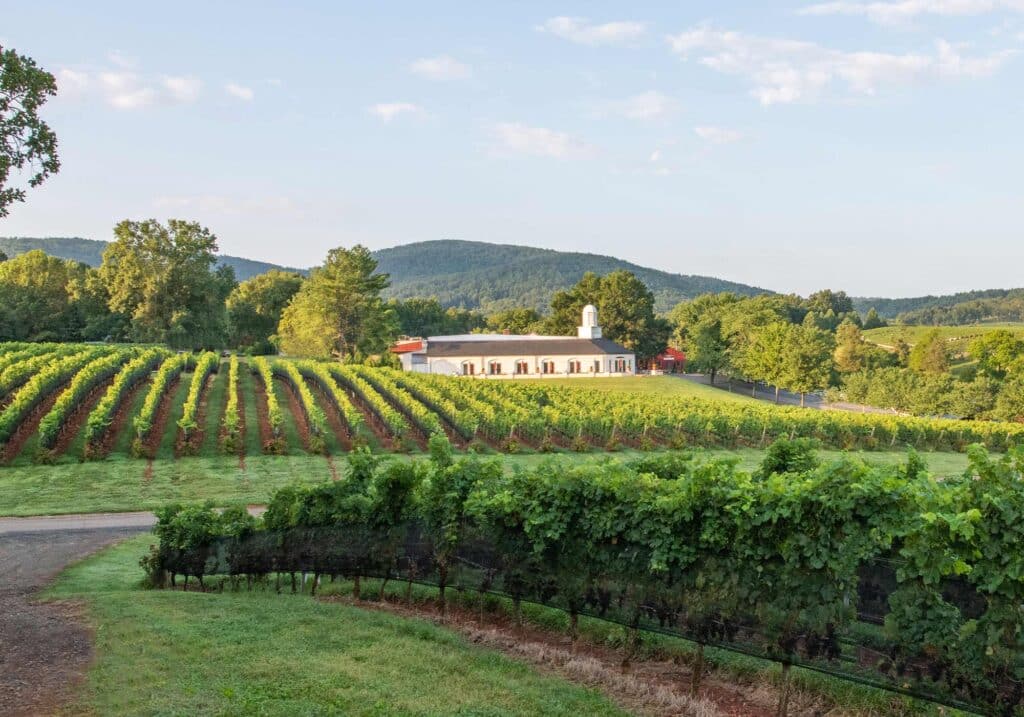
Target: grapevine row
[18,373]
[319,373]
[232,421]
[261,367]
[424,418]
[206,364]
[168,372]
[464,421]
[133,372]
[89,377]
[392,419]
[288,371]
[49,377]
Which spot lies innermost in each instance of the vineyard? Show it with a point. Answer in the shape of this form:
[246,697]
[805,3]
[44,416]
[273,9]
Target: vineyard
[71,402]
[882,576]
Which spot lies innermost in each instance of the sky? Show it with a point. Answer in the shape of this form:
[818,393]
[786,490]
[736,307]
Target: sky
[872,147]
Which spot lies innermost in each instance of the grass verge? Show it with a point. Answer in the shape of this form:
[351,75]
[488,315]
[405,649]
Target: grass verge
[167,652]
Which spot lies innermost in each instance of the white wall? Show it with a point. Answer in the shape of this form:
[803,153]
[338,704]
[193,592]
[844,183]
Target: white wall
[452,366]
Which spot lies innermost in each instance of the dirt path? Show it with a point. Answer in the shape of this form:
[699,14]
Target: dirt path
[45,648]
[332,414]
[190,446]
[295,406]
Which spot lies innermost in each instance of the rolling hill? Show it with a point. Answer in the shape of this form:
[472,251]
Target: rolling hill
[90,251]
[478,275]
[459,273]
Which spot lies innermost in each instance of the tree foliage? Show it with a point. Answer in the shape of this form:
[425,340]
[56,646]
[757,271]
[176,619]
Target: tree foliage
[159,277]
[255,306]
[26,141]
[339,312]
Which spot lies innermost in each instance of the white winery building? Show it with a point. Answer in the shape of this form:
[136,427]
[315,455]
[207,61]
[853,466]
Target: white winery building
[520,356]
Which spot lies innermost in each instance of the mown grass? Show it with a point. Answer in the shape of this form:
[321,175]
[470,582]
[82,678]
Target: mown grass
[675,386]
[122,484]
[175,653]
[958,337]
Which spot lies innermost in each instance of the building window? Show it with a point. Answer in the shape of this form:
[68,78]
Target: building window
[547,366]
[494,368]
[620,364]
[468,369]
[574,366]
[522,367]
[597,366]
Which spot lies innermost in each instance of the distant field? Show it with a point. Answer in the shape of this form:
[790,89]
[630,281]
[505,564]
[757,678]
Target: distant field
[959,337]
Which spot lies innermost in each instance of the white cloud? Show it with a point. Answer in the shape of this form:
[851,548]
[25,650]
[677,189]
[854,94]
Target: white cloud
[239,92]
[651,105]
[388,111]
[782,70]
[582,31]
[119,59]
[440,68]
[183,89]
[125,91]
[718,135]
[516,138]
[902,11]
[655,156]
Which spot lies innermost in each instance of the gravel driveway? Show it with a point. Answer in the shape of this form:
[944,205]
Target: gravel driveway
[45,648]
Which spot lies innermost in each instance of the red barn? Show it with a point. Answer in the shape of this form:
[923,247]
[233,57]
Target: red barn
[670,361]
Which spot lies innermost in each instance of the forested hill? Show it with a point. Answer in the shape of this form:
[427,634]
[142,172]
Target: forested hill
[923,305]
[498,276]
[459,273]
[90,251]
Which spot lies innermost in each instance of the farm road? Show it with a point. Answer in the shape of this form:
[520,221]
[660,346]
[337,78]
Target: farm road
[45,648]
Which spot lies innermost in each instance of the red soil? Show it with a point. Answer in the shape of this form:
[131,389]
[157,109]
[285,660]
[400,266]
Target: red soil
[189,446]
[105,444]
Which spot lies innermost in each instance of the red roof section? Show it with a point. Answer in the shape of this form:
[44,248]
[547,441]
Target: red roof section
[404,347]
[671,354]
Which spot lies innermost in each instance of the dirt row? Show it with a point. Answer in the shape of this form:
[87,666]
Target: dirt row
[119,421]
[189,445]
[28,426]
[75,422]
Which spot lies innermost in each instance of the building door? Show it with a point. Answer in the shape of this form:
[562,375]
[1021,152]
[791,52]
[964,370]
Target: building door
[522,368]
[468,369]
[494,368]
[574,366]
[547,366]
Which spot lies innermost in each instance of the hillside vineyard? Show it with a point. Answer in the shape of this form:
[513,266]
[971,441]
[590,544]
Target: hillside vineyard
[66,401]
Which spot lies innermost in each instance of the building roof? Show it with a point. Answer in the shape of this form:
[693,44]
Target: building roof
[404,347]
[549,346]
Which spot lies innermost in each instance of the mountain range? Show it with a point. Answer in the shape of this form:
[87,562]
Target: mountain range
[491,277]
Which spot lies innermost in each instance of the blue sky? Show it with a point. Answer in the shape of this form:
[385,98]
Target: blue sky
[868,146]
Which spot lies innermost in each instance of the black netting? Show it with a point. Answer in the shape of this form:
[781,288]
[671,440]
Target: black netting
[860,652]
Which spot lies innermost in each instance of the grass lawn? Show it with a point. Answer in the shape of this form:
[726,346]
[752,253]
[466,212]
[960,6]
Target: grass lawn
[675,386]
[121,484]
[174,653]
[959,337]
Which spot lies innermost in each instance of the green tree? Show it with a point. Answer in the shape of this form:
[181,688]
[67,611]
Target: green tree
[707,350]
[255,306]
[338,312]
[808,360]
[567,306]
[873,321]
[851,352]
[1010,402]
[3,257]
[427,317]
[27,144]
[930,354]
[765,357]
[160,278]
[997,352]
[522,320]
[625,310]
[35,304]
